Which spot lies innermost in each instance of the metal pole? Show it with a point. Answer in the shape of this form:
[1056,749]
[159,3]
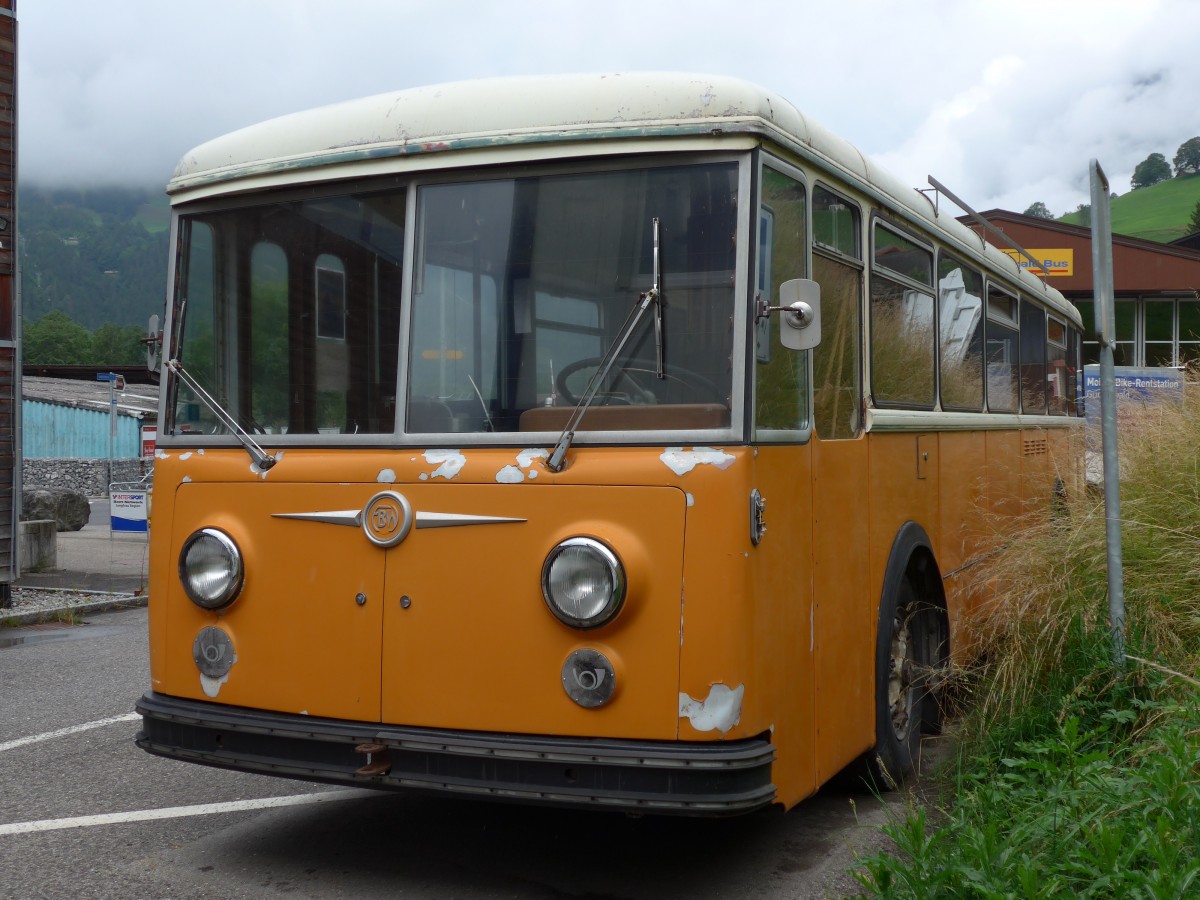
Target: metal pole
[112,426]
[1106,321]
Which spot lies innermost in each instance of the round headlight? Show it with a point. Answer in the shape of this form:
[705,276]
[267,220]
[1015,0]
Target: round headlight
[210,568]
[583,583]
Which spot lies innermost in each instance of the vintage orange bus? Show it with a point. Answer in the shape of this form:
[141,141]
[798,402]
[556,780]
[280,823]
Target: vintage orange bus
[606,441]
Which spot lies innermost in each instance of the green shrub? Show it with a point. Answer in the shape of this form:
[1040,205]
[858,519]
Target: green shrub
[1076,775]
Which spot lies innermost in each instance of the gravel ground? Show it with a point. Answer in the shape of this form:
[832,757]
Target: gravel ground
[33,605]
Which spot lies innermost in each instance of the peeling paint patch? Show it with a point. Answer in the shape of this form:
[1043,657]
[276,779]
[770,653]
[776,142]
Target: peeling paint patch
[526,457]
[449,463]
[212,686]
[691,499]
[161,454]
[524,467]
[510,475]
[187,479]
[386,476]
[721,710]
[682,461]
[187,455]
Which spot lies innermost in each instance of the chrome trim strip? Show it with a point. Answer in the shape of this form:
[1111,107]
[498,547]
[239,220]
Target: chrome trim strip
[452,520]
[353,518]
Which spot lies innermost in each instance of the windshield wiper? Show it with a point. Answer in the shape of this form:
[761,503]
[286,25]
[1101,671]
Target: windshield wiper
[645,299]
[261,457]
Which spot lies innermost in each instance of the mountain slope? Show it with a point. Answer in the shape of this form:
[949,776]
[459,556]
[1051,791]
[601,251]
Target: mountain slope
[89,254]
[1157,213]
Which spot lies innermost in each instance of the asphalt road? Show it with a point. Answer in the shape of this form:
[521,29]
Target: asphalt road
[67,753]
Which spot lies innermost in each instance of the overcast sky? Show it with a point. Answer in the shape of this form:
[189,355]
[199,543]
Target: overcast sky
[1003,102]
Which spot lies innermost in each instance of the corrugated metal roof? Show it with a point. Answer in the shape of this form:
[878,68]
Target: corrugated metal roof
[136,400]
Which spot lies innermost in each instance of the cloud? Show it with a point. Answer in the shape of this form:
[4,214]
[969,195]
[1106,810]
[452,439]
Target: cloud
[1005,103]
[1115,90]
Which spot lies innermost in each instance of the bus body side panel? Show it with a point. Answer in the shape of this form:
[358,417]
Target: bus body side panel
[1005,490]
[965,529]
[1067,446]
[1037,482]
[904,488]
[777,602]
[718,654]
[844,604]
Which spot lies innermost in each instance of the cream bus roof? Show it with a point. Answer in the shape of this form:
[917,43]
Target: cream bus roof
[357,136]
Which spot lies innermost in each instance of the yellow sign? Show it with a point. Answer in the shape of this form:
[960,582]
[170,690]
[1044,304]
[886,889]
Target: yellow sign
[1053,262]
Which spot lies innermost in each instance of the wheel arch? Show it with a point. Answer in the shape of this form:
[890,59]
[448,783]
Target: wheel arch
[912,556]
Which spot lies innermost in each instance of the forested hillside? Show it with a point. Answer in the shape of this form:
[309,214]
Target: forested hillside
[99,255]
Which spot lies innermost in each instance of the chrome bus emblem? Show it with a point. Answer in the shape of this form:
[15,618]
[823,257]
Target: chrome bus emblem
[387,518]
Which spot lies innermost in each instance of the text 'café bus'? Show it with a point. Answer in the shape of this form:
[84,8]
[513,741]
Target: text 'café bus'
[606,441]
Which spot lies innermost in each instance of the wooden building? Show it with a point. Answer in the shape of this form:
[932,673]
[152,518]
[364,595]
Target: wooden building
[1156,286]
[10,314]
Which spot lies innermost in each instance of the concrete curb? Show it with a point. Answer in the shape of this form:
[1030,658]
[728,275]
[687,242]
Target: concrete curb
[94,602]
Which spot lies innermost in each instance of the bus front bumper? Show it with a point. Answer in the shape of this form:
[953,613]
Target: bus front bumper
[665,777]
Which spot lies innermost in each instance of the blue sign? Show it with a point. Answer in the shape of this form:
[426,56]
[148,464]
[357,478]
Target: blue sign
[1136,387]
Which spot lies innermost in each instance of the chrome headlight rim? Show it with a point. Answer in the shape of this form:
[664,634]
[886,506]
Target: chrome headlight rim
[233,580]
[610,564]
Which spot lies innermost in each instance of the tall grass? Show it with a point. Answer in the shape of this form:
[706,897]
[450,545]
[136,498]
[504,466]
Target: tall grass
[1076,775]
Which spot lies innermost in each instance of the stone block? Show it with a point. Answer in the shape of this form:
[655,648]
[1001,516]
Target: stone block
[68,508]
[39,545]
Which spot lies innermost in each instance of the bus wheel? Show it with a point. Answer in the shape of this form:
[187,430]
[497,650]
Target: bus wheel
[906,654]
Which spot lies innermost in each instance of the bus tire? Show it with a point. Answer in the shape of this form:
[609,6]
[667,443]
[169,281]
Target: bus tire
[910,647]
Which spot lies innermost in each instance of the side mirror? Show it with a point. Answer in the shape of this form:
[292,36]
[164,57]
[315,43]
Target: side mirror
[153,344]
[800,311]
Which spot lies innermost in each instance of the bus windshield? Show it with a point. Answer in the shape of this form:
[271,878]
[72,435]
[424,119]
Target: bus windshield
[299,316]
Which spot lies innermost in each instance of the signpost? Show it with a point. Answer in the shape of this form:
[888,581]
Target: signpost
[1107,326]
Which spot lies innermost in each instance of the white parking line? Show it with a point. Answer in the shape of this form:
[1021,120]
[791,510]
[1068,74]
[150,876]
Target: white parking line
[63,732]
[181,812]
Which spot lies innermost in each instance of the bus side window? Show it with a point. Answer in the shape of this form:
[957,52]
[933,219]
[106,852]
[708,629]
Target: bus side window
[1075,398]
[200,348]
[837,267]
[902,321]
[1002,358]
[960,329]
[1058,381]
[781,376]
[1033,358]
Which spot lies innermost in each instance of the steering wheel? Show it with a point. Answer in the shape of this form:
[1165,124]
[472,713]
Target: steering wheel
[641,376]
